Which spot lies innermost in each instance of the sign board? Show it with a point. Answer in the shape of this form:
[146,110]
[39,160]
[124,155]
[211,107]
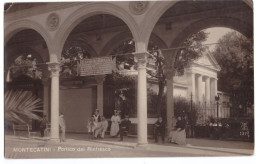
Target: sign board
[97,66]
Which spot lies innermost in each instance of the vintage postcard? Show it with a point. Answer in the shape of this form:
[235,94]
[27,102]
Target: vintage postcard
[102,79]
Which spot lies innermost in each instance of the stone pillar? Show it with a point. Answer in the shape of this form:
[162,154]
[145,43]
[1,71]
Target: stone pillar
[169,102]
[207,89]
[45,83]
[169,56]
[199,88]
[193,87]
[213,88]
[100,93]
[54,68]
[141,58]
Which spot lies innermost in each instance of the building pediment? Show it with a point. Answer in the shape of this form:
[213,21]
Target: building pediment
[207,60]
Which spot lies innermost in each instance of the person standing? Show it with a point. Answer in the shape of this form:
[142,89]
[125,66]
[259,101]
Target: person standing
[96,116]
[159,128]
[62,127]
[43,125]
[115,119]
[101,128]
[124,127]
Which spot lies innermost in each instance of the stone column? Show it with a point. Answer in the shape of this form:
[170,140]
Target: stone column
[169,101]
[54,68]
[141,58]
[207,89]
[100,79]
[169,56]
[45,83]
[199,88]
[213,88]
[193,87]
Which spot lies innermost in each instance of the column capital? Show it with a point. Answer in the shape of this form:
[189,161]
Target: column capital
[54,68]
[205,76]
[100,79]
[141,58]
[213,78]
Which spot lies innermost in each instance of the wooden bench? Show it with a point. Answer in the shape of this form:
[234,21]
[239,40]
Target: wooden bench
[24,127]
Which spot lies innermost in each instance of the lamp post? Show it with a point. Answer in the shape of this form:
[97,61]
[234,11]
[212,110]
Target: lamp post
[217,99]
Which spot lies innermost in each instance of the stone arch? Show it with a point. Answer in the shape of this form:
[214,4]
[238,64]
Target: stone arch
[228,22]
[114,42]
[88,47]
[156,11]
[18,26]
[152,17]
[156,39]
[124,36]
[87,11]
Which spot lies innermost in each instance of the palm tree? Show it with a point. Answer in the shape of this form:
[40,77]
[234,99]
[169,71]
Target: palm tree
[21,107]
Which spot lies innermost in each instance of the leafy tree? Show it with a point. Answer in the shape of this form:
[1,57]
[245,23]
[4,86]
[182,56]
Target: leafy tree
[70,60]
[234,54]
[191,50]
[25,64]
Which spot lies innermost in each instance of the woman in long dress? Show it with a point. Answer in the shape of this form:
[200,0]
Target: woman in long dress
[178,135]
[115,119]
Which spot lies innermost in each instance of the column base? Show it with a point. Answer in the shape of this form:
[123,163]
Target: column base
[141,144]
[55,140]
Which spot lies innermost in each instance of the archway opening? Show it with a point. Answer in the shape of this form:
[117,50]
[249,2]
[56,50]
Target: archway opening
[184,28]
[90,40]
[25,67]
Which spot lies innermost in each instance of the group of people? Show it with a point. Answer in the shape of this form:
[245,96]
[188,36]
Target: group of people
[98,125]
[177,134]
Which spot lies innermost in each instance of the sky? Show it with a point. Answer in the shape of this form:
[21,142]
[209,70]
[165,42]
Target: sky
[215,33]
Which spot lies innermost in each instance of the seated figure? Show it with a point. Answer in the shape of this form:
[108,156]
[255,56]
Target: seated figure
[159,128]
[124,127]
[101,128]
[178,135]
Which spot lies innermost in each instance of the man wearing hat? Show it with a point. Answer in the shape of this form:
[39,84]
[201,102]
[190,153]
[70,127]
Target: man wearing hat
[124,126]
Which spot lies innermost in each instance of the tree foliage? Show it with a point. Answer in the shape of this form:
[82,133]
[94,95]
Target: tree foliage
[191,50]
[234,54]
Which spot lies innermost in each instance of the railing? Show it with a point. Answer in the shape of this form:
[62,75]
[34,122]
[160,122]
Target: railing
[208,111]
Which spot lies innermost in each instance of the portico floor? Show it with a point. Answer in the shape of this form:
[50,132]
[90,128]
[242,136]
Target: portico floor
[112,147]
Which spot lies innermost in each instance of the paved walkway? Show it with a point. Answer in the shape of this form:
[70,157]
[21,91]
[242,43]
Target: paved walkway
[80,145]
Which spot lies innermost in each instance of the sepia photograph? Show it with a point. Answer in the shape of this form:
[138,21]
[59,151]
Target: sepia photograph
[128,79]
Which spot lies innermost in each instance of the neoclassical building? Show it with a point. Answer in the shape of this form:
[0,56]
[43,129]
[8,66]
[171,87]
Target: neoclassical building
[43,32]
[199,80]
